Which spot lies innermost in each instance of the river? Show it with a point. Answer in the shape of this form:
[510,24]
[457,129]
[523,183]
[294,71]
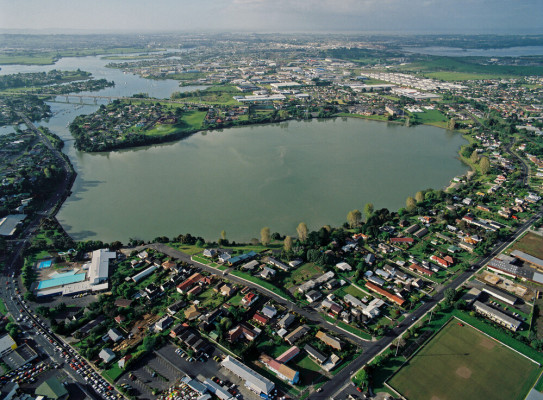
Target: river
[242,179]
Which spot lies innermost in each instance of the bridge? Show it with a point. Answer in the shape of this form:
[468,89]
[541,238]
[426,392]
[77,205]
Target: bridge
[95,98]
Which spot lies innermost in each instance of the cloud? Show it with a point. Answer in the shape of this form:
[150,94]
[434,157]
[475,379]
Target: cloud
[435,16]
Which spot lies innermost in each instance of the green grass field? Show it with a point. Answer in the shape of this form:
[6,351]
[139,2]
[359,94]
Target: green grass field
[431,117]
[465,68]
[461,363]
[191,120]
[302,274]
[531,244]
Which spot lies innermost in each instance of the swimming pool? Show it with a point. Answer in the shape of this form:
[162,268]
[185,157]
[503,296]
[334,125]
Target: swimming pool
[61,279]
[45,263]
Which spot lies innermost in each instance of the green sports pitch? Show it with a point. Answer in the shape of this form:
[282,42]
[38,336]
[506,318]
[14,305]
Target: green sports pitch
[462,363]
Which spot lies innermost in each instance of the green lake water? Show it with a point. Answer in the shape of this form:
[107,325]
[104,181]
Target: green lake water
[243,179]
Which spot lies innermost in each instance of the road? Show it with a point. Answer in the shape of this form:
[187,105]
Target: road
[307,312]
[50,206]
[342,379]
[48,351]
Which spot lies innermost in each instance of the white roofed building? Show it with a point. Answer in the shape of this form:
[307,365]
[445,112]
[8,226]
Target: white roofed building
[253,380]
[99,267]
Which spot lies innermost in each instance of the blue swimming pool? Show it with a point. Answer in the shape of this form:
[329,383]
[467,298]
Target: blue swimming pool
[45,263]
[61,279]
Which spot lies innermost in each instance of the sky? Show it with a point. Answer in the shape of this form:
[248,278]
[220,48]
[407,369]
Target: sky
[387,16]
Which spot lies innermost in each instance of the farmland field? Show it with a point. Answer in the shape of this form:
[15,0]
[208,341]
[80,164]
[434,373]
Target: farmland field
[462,363]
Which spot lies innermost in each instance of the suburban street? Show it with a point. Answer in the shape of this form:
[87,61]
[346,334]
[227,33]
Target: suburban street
[309,313]
[370,349]
[342,379]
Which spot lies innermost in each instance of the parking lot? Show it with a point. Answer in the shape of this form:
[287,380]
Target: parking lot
[150,373]
[166,367]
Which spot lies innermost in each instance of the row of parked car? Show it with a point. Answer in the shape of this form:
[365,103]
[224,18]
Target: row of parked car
[27,373]
[203,357]
[75,361]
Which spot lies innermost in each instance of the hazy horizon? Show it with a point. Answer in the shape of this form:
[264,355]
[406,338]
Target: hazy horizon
[277,16]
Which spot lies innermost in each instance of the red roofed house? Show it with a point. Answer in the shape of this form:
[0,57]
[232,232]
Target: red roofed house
[241,331]
[288,355]
[440,261]
[195,290]
[249,299]
[417,268]
[168,264]
[261,319]
[187,283]
[396,299]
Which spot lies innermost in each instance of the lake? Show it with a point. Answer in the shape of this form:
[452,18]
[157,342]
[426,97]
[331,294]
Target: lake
[243,179]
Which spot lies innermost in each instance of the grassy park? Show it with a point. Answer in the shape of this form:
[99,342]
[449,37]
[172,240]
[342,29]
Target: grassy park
[462,363]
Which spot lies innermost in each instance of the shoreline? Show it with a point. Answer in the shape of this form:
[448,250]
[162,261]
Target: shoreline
[443,186]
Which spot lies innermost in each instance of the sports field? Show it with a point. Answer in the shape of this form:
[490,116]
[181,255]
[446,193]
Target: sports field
[461,363]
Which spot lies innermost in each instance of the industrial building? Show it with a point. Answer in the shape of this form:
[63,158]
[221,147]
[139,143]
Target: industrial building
[497,316]
[500,295]
[253,380]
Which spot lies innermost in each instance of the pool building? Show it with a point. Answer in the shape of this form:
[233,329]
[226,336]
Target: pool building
[70,283]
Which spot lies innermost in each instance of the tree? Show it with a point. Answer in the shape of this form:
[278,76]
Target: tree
[354,218]
[302,231]
[149,343]
[474,158]
[265,236]
[410,204]
[223,234]
[419,197]
[484,164]
[287,244]
[368,210]
[449,295]
[451,124]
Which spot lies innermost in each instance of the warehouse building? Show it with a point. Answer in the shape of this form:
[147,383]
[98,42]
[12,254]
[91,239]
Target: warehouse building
[253,380]
[497,316]
[500,295]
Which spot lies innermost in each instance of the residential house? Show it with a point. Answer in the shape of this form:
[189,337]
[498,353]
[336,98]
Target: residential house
[343,266]
[396,299]
[261,319]
[114,335]
[175,307]
[177,330]
[210,253]
[313,296]
[278,264]
[269,311]
[286,321]
[329,340]
[192,313]
[242,331]
[164,323]
[267,272]
[282,371]
[189,282]
[315,354]
[296,334]
[249,299]
[107,355]
[227,289]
